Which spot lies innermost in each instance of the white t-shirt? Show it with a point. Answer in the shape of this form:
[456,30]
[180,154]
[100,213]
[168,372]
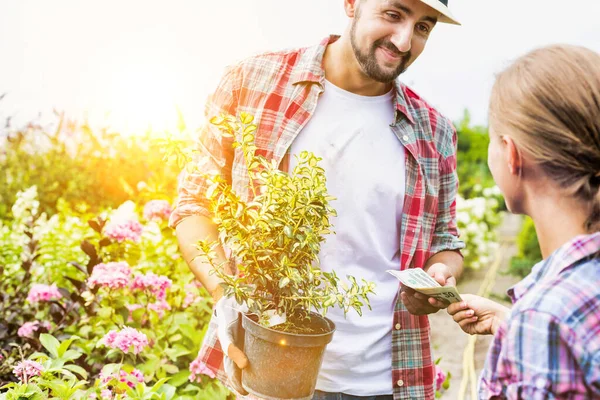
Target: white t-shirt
[364,165]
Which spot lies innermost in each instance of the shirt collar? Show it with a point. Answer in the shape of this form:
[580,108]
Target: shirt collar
[570,253]
[310,69]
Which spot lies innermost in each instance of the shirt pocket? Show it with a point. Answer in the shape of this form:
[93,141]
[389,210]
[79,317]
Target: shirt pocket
[431,178]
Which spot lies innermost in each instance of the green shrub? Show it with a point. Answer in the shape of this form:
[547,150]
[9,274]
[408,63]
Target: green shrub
[88,169]
[472,169]
[529,252]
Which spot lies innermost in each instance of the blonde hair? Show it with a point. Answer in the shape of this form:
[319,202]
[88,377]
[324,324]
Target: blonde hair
[549,101]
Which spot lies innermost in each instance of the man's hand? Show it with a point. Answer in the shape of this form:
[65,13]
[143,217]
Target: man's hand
[477,315]
[419,304]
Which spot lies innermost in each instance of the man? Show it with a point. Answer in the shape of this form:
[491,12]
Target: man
[390,159]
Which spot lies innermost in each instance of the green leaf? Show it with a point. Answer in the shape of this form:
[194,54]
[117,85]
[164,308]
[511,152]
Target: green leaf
[170,368]
[70,355]
[65,345]
[180,378]
[159,384]
[77,369]
[246,118]
[250,129]
[283,282]
[168,391]
[50,343]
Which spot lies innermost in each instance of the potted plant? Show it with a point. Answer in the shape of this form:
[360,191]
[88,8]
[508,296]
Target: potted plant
[275,240]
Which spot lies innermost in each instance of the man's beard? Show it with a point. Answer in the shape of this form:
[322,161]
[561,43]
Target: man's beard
[368,61]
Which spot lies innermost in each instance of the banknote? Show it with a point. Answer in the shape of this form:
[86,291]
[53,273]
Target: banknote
[420,281]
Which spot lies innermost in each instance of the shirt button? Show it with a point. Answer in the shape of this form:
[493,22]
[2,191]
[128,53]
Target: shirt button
[398,326]
[400,383]
[405,138]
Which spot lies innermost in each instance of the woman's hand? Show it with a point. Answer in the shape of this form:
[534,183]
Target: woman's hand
[477,315]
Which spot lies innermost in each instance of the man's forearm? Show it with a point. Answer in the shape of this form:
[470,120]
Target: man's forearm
[451,258]
[189,231]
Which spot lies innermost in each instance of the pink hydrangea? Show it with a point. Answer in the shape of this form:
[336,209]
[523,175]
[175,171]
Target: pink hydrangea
[125,339]
[156,284]
[114,275]
[197,367]
[157,210]
[40,292]
[440,377]
[27,369]
[160,307]
[29,328]
[136,376]
[122,230]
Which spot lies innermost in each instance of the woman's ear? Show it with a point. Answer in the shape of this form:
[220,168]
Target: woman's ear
[513,157]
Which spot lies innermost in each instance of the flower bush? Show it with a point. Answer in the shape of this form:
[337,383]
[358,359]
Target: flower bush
[478,219]
[126,306]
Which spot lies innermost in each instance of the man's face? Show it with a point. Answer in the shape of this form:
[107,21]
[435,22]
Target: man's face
[388,35]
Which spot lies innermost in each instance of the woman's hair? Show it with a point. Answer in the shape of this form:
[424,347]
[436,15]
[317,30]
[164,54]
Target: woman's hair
[549,101]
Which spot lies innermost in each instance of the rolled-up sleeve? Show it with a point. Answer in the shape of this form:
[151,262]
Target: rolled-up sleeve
[215,153]
[446,235]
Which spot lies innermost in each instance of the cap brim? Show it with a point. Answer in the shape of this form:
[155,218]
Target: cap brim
[445,14]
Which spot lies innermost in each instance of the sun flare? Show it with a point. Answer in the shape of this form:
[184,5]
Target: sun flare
[144,98]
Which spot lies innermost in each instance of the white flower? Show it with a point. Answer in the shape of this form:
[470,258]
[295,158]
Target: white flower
[125,212]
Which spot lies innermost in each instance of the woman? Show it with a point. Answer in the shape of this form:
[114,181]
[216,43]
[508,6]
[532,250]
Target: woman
[544,154]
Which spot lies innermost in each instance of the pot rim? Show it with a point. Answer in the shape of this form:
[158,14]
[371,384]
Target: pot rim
[329,322]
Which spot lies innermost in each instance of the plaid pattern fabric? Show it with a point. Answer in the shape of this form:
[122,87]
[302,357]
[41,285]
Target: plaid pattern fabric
[281,90]
[549,347]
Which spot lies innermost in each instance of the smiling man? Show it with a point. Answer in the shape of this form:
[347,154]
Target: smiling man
[390,160]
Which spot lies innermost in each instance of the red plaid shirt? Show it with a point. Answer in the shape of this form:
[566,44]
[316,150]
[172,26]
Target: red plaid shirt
[281,90]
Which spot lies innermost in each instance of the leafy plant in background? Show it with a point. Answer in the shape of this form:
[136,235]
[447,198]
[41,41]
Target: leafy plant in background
[472,150]
[528,253]
[90,170]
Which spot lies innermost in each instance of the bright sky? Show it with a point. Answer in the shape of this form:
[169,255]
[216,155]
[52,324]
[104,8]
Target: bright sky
[131,62]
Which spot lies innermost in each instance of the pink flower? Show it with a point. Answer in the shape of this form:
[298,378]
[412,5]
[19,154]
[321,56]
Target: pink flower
[29,328]
[27,369]
[136,376]
[157,210]
[40,292]
[122,230]
[440,377]
[114,275]
[160,307]
[157,284]
[106,394]
[197,367]
[125,339]
[190,295]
